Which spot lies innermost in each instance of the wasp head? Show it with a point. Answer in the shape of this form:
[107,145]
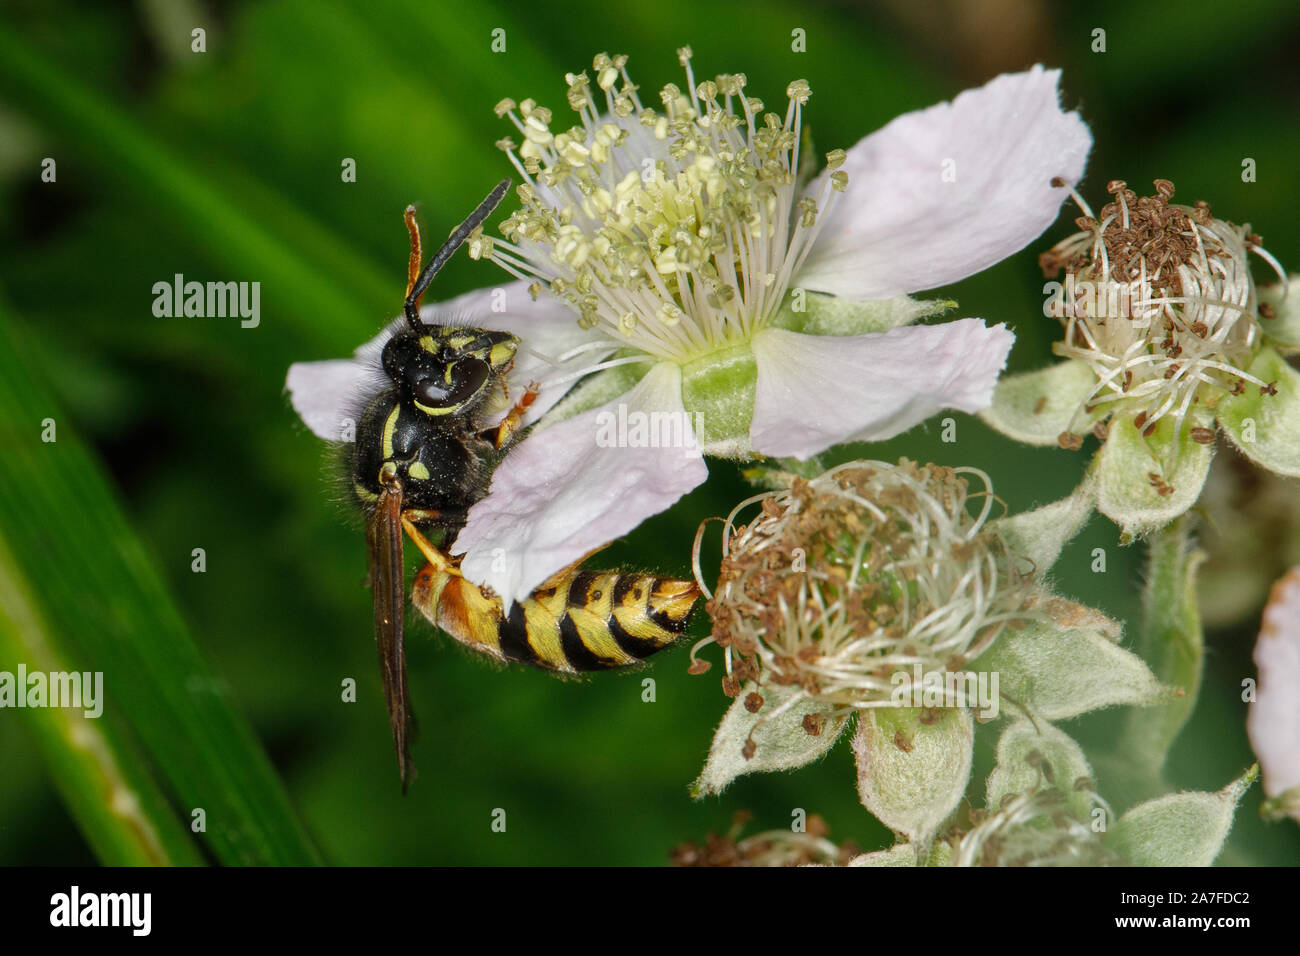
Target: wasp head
[445,369]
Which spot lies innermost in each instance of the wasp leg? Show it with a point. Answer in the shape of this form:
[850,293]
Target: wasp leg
[511,423]
[440,561]
[504,379]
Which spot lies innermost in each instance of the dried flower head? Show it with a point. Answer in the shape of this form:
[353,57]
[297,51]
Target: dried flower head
[1167,342]
[891,594]
[1159,302]
[770,848]
[1037,828]
[866,570]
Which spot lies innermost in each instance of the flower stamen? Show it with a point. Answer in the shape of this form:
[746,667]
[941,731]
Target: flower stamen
[685,218]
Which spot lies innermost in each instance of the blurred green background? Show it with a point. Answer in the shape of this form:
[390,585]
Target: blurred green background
[225,165]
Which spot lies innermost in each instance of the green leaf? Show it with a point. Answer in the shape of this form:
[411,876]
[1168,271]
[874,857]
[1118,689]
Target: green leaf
[779,742]
[1170,641]
[831,315]
[1267,427]
[912,773]
[1182,829]
[1146,482]
[1059,672]
[1036,407]
[118,805]
[98,599]
[1039,535]
[1030,755]
[1283,329]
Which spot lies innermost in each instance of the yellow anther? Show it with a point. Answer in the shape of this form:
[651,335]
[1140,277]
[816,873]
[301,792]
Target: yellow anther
[799,91]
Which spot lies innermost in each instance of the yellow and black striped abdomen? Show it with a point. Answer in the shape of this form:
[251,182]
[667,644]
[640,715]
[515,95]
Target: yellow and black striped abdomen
[575,622]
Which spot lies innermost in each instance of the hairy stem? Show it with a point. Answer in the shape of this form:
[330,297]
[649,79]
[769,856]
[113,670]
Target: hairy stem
[1171,641]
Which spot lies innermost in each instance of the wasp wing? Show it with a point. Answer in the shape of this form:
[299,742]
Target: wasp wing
[387,583]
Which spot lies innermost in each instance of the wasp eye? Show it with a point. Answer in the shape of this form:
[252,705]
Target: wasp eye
[462,382]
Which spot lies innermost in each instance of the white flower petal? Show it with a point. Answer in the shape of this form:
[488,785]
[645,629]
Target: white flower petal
[330,395]
[903,225]
[564,492]
[1273,720]
[816,391]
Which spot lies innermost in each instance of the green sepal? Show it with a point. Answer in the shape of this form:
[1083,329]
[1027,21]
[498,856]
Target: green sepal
[718,391]
[1037,754]
[1037,407]
[595,390]
[1057,672]
[1283,330]
[832,315]
[1039,535]
[1181,829]
[905,854]
[1144,482]
[777,474]
[780,743]
[940,854]
[1267,427]
[912,774]
[900,854]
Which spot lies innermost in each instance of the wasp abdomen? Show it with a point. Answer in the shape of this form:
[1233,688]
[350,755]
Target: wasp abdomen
[578,622]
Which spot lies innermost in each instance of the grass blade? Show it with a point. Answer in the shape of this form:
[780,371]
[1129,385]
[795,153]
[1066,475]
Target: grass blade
[88,590]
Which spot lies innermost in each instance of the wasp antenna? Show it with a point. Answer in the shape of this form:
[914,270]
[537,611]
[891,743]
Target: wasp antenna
[448,248]
[413,264]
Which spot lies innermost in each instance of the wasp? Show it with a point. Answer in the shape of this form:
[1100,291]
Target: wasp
[424,454]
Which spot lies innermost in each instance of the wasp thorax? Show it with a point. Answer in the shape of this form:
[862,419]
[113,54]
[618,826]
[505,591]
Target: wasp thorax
[870,569]
[422,434]
[1159,300]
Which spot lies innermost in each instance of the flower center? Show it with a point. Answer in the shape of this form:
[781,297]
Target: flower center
[869,569]
[673,231]
[1158,299]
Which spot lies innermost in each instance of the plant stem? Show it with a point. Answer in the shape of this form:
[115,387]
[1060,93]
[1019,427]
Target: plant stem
[1171,641]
